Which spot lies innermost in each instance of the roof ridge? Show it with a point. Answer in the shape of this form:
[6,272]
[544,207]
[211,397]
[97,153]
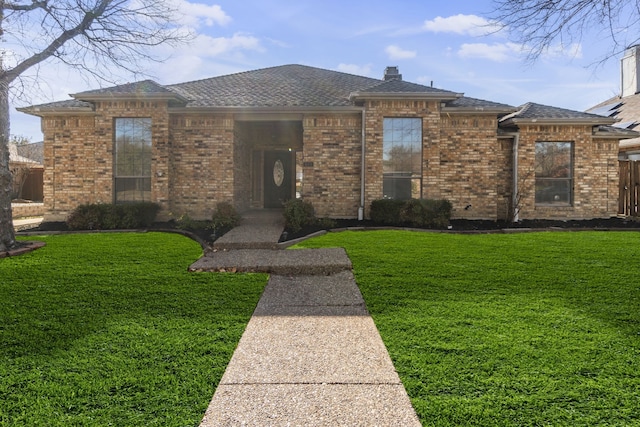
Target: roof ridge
[260,70]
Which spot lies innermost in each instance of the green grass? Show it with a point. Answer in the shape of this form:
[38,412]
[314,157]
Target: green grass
[111,329]
[507,330]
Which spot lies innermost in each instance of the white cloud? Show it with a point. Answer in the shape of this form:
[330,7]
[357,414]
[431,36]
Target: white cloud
[196,14]
[471,25]
[396,52]
[360,70]
[206,46]
[557,51]
[498,52]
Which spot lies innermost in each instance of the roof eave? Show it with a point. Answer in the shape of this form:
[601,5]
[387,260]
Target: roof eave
[267,110]
[36,111]
[627,134]
[478,110]
[354,96]
[125,96]
[563,121]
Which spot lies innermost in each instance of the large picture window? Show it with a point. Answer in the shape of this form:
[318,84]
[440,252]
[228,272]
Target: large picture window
[132,160]
[402,158]
[554,173]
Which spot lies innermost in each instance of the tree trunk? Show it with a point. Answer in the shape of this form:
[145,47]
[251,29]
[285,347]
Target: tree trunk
[7,235]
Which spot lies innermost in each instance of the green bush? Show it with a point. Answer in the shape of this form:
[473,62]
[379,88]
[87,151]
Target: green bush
[226,216]
[386,211]
[326,223]
[102,216]
[414,212]
[298,214]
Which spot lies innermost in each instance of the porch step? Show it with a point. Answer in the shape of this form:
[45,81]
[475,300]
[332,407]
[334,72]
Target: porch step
[259,229]
[308,262]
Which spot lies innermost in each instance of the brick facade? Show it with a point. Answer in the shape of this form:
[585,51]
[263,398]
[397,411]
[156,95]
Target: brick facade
[201,159]
[331,163]
[595,173]
[227,138]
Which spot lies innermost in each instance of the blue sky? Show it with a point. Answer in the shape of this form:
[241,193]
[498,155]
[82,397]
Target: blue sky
[443,42]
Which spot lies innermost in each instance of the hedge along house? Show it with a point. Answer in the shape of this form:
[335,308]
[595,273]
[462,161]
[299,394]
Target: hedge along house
[339,141]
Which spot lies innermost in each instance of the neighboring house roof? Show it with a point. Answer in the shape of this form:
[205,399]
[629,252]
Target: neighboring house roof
[17,159]
[543,114]
[33,151]
[627,111]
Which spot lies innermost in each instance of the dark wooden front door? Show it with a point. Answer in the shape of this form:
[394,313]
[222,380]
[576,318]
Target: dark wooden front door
[277,178]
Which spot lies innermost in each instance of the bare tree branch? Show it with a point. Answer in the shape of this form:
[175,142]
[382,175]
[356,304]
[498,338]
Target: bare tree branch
[542,25]
[89,35]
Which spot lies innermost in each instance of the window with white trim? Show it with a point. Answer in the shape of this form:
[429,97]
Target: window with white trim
[132,160]
[402,158]
[554,173]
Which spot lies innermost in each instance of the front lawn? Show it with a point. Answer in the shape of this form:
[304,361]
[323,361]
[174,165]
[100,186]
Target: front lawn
[111,329]
[507,329]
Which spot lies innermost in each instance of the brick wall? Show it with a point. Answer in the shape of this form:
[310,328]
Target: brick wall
[469,165]
[331,163]
[78,153]
[595,173]
[202,163]
[70,163]
[461,156]
[376,111]
[201,159]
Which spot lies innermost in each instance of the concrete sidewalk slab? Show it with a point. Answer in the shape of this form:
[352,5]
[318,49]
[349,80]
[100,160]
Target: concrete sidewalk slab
[339,290]
[26,223]
[284,262]
[310,356]
[311,349]
[311,405]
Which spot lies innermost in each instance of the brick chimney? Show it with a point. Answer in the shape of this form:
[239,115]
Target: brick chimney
[630,67]
[392,73]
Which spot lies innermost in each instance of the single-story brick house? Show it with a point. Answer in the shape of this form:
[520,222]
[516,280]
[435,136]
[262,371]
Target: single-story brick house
[338,140]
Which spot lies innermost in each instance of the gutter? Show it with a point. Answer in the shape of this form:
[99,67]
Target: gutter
[362,170]
[514,195]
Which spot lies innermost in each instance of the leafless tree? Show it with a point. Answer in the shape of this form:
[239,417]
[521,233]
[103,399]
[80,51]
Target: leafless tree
[90,35]
[544,25]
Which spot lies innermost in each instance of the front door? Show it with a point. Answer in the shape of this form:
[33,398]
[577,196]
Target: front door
[277,178]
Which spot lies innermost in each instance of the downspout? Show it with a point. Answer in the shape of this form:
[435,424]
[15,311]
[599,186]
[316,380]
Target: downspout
[362,166]
[514,196]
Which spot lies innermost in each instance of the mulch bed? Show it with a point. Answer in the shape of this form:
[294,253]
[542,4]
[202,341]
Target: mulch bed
[205,237]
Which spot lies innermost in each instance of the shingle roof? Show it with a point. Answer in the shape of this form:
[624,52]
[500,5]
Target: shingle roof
[400,86]
[466,102]
[531,112]
[68,105]
[144,87]
[287,86]
[282,86]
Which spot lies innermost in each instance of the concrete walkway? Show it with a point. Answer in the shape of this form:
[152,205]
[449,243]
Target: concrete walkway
[311,354]
[26,223]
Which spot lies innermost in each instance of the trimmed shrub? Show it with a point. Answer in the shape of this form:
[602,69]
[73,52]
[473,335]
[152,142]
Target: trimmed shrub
[414,212]
[226,216]
[87,217]
[326,223]
[386,211]
[102,216]
[298,214]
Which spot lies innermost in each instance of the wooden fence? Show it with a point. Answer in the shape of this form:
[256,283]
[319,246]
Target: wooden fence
[629,187]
